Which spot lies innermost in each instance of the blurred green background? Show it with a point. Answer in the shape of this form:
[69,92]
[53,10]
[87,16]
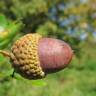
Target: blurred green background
[73,21]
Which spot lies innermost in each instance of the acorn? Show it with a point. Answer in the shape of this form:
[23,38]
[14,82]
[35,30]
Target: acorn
[34,56]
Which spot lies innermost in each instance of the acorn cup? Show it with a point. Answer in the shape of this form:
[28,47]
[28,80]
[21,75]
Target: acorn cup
[33,56]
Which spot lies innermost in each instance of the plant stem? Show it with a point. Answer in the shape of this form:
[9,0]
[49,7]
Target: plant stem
[5,53]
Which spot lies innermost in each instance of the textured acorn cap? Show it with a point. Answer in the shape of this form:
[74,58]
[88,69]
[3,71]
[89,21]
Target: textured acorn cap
[25,59]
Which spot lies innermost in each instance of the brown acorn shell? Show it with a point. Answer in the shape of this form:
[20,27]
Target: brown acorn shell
[54,54]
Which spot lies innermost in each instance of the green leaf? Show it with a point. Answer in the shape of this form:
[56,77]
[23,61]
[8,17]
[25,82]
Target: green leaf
[14,29]
[17,76]
[33,82]
[38,82]
[4,43]
[8,72]
[3,22]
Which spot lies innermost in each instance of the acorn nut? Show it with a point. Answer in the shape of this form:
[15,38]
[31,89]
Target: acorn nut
[33,56]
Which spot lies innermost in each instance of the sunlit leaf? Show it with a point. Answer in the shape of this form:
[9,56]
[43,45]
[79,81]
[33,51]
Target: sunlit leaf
[38,82]
[17,76]
[8,72]
[3,22]
[33,82]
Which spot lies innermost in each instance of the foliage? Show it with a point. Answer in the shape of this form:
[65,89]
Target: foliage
[8,30]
